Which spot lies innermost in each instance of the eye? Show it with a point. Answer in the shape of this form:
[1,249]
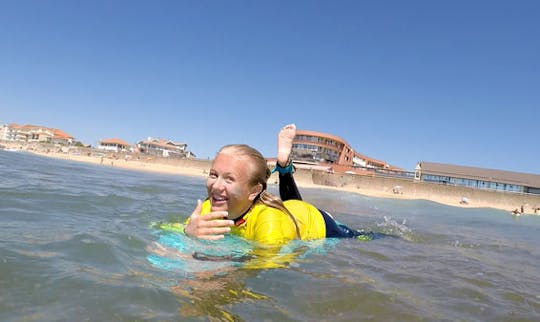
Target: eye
[212,175]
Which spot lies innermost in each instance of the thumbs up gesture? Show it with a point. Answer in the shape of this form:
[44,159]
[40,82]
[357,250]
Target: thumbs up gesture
[211,226]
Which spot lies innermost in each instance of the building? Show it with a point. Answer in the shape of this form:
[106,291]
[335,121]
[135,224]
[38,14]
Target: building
[478,178]
[311,147]
[34,134]
[115,145]
[62,138]
[164,148]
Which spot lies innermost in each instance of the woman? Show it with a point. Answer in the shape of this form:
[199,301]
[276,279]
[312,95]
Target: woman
[239,203]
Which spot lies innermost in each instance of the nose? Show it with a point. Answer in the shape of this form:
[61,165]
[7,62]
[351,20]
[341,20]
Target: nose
[218,184]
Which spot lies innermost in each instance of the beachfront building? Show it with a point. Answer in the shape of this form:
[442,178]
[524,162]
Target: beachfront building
[164,148]
[478,178]
[13,133]
[114,145]
[34,134]
[311,147]
[61,137]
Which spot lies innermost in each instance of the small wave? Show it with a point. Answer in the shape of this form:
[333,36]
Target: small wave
[392,227]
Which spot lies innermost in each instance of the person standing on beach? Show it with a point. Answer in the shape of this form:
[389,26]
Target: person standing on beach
[238,202]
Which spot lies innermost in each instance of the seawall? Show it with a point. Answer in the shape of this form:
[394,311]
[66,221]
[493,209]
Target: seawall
[411,189]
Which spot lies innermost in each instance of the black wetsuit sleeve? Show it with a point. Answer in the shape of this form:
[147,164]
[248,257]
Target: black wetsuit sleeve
[287,187]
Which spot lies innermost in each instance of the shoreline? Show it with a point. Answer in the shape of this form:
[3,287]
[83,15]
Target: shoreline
[304,178]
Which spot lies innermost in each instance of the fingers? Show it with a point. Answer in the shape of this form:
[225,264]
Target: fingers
[198,208]
[211,226]
[215,215]
[214,227]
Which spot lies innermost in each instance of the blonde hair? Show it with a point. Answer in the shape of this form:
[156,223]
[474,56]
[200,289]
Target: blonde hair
[259,173]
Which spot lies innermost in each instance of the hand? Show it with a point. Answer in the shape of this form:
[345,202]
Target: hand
[211,226]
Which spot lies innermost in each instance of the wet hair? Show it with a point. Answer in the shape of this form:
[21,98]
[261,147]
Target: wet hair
[259,173]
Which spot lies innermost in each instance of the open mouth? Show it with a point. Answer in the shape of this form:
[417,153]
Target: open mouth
[218,201]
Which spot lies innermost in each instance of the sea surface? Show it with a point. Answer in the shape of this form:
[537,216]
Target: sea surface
[79,242]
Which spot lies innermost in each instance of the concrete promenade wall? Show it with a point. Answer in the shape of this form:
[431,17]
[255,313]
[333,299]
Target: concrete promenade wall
[201,164]
[383,186]
[427,190]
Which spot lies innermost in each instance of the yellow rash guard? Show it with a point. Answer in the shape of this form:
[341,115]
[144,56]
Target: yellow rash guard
[271,226]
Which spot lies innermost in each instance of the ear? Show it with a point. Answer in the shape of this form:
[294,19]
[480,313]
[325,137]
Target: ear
[255,191]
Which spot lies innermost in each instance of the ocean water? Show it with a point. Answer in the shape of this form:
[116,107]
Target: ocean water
[78,242]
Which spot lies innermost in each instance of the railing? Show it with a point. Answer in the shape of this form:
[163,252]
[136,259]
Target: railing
[394,174]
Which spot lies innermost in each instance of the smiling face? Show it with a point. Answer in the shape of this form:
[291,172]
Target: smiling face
[228,184]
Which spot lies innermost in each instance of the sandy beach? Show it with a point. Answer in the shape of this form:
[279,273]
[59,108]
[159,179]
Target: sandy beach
[376,188]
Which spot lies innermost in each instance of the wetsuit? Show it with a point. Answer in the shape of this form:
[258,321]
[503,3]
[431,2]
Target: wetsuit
[271,226]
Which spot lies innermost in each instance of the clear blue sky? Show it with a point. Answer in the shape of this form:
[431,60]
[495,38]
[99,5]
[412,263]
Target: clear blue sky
[401,81]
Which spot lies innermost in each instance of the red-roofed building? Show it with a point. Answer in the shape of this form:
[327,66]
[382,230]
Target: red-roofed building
[62,137]
[311,147]
[162,147]
[116,145]
[34,133]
